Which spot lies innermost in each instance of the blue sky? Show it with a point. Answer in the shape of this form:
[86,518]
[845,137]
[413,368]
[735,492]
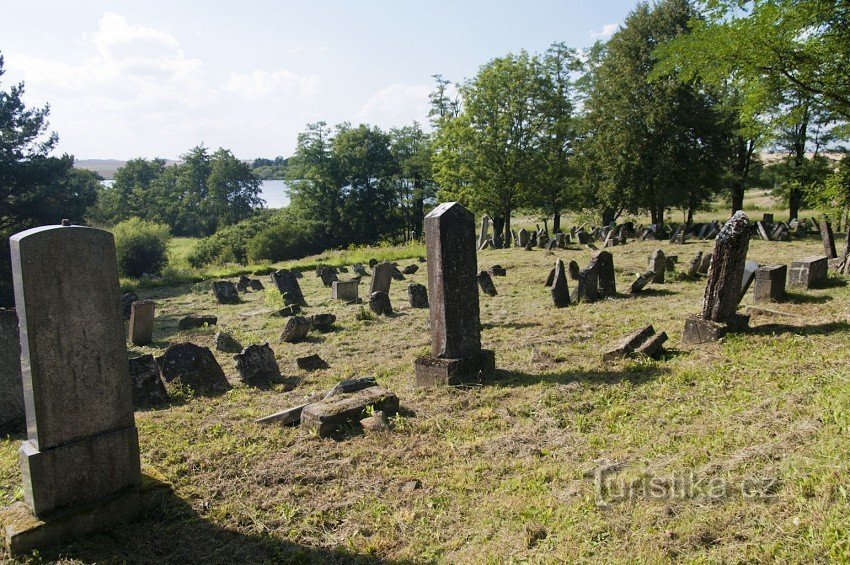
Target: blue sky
[150,78]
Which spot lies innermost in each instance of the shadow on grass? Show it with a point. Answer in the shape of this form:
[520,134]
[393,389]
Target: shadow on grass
[171,531]
[818,329]
[510,325]
[833,282]
[652,291]
[800,298]
[638,375]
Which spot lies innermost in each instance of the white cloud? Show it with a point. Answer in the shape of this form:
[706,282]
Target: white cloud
[260,84]
[605,33]
[396,105]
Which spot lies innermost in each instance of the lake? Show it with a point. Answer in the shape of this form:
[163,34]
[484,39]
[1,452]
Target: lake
[272,191]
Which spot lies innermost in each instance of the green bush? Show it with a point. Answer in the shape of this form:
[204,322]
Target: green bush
[141,247]
[229,245]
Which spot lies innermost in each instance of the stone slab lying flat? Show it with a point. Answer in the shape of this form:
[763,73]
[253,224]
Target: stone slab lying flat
[628,344]
[327,415]
[286,417]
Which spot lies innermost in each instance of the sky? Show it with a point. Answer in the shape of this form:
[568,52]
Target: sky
[154,79]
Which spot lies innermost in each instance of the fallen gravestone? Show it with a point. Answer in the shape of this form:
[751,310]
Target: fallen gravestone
[643,342]
[723,287]
[379,303]
[295,330]
[641,282]
[809,272]
[418,295]
[80,462]
[226,343]
[192,321]
[225,292]
[257,366]
[486,283]
[326,416]
[559,288]
[410,269]
[397,275]
[193,366]
[498,271]
[311,363]
[141,321]
[147,385]
[287,284]
[11,383]
[762,229]
[770,283]
[456,354]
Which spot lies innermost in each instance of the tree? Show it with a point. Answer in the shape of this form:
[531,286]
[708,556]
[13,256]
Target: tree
[411,149]
[655,141]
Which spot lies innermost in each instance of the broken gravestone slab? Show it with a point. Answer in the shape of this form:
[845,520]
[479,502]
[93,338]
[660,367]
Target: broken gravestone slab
[311,363]
[379,303]
[226,343]
[486,283]
[193,366]
[643,341]
[418,295]
[328,415]
[225,292]
[148,388]
[257,365]
[322,322]
[641,282]
[410,269]
[295,330]
[193,321]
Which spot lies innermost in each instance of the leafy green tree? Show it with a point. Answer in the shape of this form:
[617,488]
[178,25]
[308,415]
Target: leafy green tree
[129,193]
[412,150]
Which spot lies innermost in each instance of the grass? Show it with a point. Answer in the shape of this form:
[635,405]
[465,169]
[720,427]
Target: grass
[752,431]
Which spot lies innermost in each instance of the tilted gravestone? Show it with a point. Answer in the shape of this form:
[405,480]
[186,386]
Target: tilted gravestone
[80,461]
[559,288]
[750,268]
[382,278]
[225,292]
[141,321]
[694,265]
[704,264]
[723,287]
[456,354]
[523,238]
[11,385]
[828,239]
[658,265]
[287,284]
[770,283]
[417,294]
[603,264]
[485,281]
[485,231]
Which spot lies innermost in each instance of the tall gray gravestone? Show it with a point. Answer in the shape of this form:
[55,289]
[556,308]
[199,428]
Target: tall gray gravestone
[456,354]
[82,448]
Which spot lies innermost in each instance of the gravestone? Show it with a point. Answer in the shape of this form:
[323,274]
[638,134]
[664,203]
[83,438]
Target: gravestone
[723,287]
[750,268]
[767,218]
[485,281]
[456,354]
[127,300]
[195,321]
[523,237]
[345,290]
[828,239]
[193,366]
[809,272]
[704,263]
[11,383]
[559,289]
[762,229]
[587,289]
[287,284]
[295,330]
[603,264]
[694,265]
[770,283]
[243,284]
[328,276]
[485,230]
[379,303]
[550,278]
[641,282]
[574,270]
[323,322]
[382,278]
[658,265]
[81,455]
[410,269]
[418,295]
[257,366]
[226,343]
[359,270]
[148,388]
[141,322]
[498,271]
[255,284]
[225,292]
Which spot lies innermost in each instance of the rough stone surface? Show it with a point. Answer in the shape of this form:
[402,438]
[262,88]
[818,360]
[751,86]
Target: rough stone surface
[225,292]
[705,263]
[628,344]
[226,343]
[311,363]
[693,267]
[346,290]
[328,276]
[603,264]
[141,321]
[288,311]
[559,288]
[410,269]
[750,268]
[382,278]
[322,322]
[287,284]
[418,295]
[431,371]
[328,415]
[194,321]
[574,270]
[148,388]
[11,382]
[770,283]
[642,282]
[828,239]
[723,287]
[351,385]
[379,303]
[809,272]
[498,271]
[658,265]
[82,445]
[257,366]
[295,330]
[376,423]
[193,366]
[485,281]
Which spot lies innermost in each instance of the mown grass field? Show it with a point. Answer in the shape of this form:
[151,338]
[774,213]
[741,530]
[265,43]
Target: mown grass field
[751,431]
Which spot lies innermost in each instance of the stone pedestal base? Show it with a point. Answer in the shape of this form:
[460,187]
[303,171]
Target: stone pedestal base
[432,371]
[24,532]
[698,330]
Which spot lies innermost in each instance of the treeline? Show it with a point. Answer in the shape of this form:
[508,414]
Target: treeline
[269,169]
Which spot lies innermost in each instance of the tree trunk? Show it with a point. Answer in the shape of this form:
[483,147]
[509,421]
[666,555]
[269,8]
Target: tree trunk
[418,211]
[498,231]
[607,216]
[690,219]
[556,221]
[508,235]
[794,200]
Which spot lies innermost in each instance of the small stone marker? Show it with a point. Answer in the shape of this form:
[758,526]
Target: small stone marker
[410,269]
[559,288]
[498,271]
[193,366]
[723,287]
[456,354]
[141,321]
[486,283]
[148,388]
[704,264]
[328,415]
[287,284]
[328,276]
[643,341]
[311,363]
[257,366]
[379,303]
[770,283]
[828,239]
[295,330]
[641,282]
[603,264]
[81,455]
[693,267]
[382,278]
[574,270]
[485,230]
[359,270]
[658,265]
[809,272]
[226,343]
[225,292]
[418,295]
[323,322]
[377,422]
[346,290]
[243,284]
[11,382]
[192,321]
[524,237]
[550,278]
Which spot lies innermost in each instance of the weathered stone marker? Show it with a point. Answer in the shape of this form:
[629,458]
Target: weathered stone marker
[559,288]
[770,283]
[287,284]
[723,288]
[80,461]
[141,321]
[346,290]
[456,354]
[809,272]
[11,385]
[658,265]
[382,278]
[485,231]
[828,239]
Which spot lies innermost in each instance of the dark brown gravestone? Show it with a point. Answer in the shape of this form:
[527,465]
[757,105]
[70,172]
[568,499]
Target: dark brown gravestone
[418,295]
[287,284]
[603,264]
[770,283]
[485,281]
[11,384]
[559,288]
[225,292]
[828,239]
[257,365]
[723,287]
[141,321]
[658,265]
[382,278]
[456,354]
[80,461]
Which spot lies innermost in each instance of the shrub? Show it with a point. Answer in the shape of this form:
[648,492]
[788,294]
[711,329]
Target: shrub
[141,247]
[229,245]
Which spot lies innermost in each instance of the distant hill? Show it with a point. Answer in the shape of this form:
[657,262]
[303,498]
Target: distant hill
[105,167]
